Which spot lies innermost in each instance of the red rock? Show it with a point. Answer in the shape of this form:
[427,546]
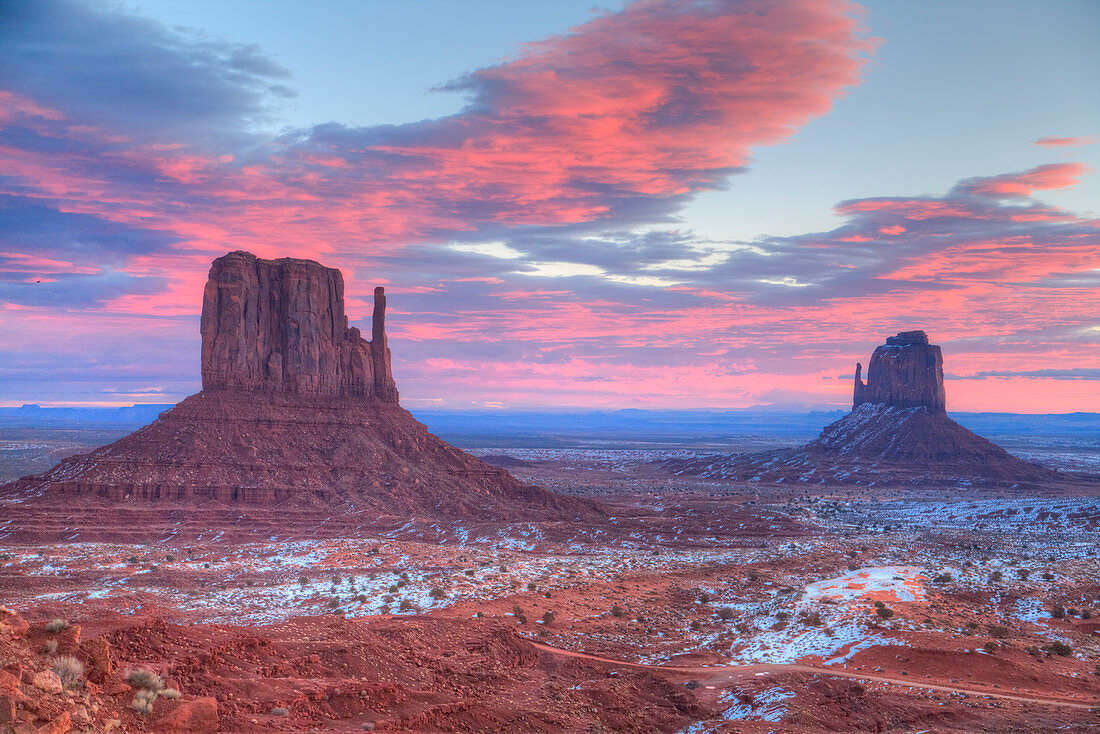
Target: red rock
[100,665]
[906,372]
[48,681]
[279,326]
[296,409]
[12,625]
[897,431]
[60,724]
[199,716]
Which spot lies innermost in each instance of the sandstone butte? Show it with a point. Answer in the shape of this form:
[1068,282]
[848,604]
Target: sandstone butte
[898,430]
[297,410]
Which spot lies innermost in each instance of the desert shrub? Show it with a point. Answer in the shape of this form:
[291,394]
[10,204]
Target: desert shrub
[617,611]
[517,610]
[548,617]
[880,604]
[57,625]
[50,647]
[704,597]
[145,679]
[522,619]
[402,583]
[132,559]
[696,625]
[280,711]
[437,593]
[813,619]
[725,613]
[1033,650]
[469,572]
[998,632]
[1023,573]
[171,693]
[782,616]
[406,605]
[996,576]
[1048,576]
[942,578]
[990,647]
[393,589]
[884,612]
[69,670]
[143,701]
[374,551]
[547,594]
[1058,612]
[387,599]
[531,586]
[1061,649]
[478,614]
[754,576]
[362,598]
[1086,614]
[1071,612]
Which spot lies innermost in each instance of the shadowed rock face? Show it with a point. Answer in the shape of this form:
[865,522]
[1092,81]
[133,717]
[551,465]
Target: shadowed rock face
[279,326]
[906,372]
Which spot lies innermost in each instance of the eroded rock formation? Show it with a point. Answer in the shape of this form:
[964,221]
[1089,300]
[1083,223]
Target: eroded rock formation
[279,326]
[297,410]
[905,372]
[897,431]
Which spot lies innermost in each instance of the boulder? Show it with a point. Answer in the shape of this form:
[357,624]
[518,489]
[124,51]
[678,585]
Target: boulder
[47,681]
[12,625]
[198,716]
[100,665]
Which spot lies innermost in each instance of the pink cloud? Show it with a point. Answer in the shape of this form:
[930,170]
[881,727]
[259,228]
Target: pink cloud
[1025,183]
[1052,141]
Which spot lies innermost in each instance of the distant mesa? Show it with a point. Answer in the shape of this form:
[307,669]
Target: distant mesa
[897,431]
[297,410]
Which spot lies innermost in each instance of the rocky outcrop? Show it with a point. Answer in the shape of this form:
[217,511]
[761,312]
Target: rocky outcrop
[897,432]
[297,411]
[279,326]
[906,372]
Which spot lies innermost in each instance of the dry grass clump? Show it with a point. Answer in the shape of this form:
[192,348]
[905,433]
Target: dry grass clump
[50,647]
[171,693]
[143,701]
[57,625]
[146,679]
[69,670]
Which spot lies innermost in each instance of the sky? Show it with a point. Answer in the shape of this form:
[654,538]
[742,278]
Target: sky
[655,204]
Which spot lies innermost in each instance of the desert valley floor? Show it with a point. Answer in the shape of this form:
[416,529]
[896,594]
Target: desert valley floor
[694,606]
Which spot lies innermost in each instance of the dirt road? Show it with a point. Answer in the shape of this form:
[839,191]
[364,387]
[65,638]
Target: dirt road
[725,674]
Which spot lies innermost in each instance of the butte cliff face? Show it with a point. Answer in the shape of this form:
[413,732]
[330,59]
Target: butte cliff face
[278,326]
[297,410]
[905,372]
[897,432]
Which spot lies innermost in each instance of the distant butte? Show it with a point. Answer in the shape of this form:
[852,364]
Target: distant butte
[298,411]
[897,431]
